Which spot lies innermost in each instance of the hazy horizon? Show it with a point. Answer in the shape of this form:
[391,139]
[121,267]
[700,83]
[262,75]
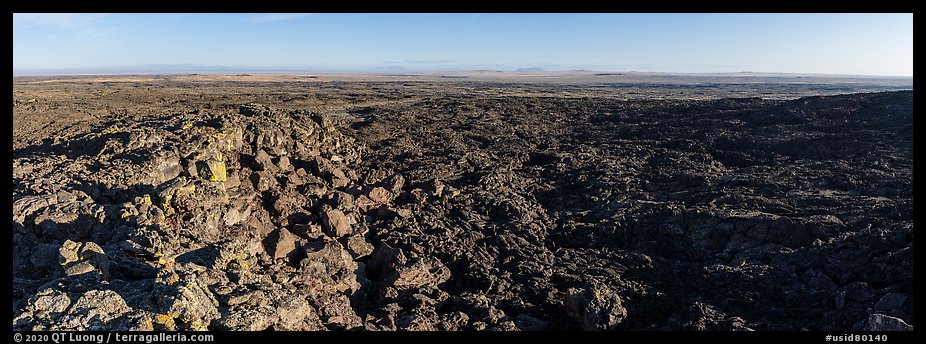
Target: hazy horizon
[229,70]
[819,44]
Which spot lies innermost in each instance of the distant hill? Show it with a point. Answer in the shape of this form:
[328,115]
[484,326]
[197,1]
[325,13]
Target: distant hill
[530,69]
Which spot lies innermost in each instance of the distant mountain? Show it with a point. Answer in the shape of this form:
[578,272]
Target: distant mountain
[407,69]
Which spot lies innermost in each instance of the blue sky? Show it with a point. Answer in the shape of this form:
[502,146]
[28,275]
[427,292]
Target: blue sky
[872,44]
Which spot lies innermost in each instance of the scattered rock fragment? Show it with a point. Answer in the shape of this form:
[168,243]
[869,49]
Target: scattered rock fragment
[187,304]
[264,181]
[417,273]
[890,302]
[395,183]
[213,170]
[94,311]
[358,246]
[881,322]
[380,195]
[595,307]
[335,222]
[264,161]
[282,244]
[329,266]
[283,164]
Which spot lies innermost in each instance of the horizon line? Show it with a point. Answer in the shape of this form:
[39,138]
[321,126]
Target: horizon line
[221,70]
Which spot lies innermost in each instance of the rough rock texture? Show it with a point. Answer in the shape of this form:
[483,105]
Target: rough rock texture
[595,307]
[139,245]
[482,213]
[734,214]
[881,322]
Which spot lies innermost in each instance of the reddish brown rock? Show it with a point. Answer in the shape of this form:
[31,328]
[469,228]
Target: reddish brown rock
[335,222]
[380,195]
[395,183]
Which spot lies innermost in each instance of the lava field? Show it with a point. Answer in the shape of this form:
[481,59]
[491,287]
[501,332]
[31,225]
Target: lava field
[317,205]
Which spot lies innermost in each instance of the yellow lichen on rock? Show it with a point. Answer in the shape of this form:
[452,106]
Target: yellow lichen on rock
[68,252]
[126,213]
[227,140]
[165,320]
[217,171]
[213,170]
[245,267]
[165,204]
[179,187]
[167,263]
[198,325]
[111,130]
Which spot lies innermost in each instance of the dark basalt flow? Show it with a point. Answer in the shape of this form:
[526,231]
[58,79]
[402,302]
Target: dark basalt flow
[480,213]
